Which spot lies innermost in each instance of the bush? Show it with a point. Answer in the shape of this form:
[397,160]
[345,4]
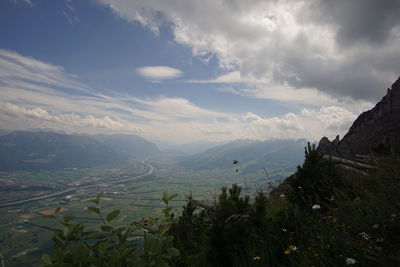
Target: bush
[110,245]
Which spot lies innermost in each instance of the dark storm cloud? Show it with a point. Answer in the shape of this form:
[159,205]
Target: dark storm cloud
[369,21]
[361,74]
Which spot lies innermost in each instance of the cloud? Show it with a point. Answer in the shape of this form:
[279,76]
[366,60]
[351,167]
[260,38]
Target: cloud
[70,12]
[27,2]
[38,114]
[230,77]
[158,73]
[358,21]
[15,67]
[344,49]
[36,94]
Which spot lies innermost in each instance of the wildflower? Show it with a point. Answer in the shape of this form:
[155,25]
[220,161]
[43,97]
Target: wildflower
[284,230]
[364,235]
[257,258]
[316,207]
[290,249]
[350,261]
[282,196]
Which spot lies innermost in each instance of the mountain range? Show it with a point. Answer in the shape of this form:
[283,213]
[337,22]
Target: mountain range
[25,150]
[253,155]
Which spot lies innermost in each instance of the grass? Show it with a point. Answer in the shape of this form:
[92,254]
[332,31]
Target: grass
[358,224]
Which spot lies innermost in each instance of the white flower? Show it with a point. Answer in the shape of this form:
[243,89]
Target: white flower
[284,230]
[350,261]
[282,196]
[364,235]
[316,207]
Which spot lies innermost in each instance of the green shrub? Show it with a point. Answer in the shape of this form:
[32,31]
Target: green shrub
[110,245]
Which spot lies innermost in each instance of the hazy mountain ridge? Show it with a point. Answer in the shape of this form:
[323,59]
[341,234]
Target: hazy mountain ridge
[22,150]
[25,150]
[191,148]
[261,154]
[129,145]
[30,150]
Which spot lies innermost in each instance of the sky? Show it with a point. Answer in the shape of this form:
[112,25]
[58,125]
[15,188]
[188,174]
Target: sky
[180,71]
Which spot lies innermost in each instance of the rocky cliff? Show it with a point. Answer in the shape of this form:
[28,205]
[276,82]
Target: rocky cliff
[373,129]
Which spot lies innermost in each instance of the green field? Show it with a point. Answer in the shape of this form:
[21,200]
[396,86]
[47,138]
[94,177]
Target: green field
[25,234]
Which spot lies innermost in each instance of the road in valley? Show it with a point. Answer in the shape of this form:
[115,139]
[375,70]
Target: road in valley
[151,171]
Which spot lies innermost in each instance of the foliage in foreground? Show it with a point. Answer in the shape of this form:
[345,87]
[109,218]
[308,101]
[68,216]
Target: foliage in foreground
[110,245]
[321,216]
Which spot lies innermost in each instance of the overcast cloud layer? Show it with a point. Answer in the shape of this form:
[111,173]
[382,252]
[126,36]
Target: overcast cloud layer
[347,49]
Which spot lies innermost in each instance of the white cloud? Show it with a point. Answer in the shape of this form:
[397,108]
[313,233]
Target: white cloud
[28,2]
[38,101]
[14,66]
[158,73]
[35,115]
[297,44]
[230,77]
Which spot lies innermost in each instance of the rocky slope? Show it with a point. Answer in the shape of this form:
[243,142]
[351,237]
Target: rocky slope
[374,129]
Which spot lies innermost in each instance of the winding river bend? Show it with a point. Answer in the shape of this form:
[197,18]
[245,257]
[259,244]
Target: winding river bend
[151,171]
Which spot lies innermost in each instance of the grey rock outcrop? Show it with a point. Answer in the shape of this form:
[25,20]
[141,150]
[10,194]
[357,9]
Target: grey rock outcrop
[377,127]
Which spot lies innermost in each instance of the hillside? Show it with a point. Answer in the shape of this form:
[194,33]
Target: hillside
[375,130]
[21,150]
[129,145]
[253,155]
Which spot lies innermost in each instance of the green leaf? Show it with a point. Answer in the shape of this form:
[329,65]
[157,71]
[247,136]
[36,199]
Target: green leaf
[152,244]
[99,195]
[162,264]
[95,200]
[106,228]
[46,258]
[164,229]
[165,198]
[112,215]
[94,209]
[57,210]
[66,231]
[173,252]
[68,218]
[172,196]
[58,254]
